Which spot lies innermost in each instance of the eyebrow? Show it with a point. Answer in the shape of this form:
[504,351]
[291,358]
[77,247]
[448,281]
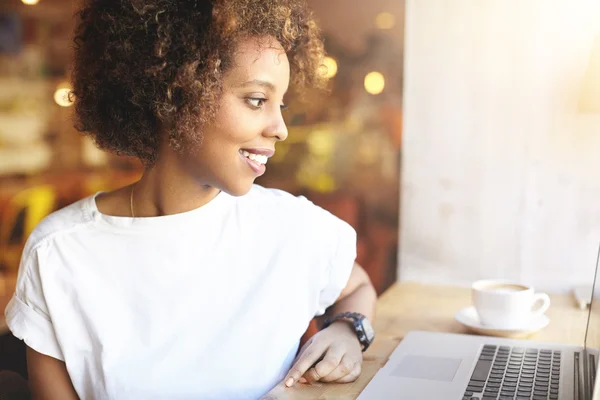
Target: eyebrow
[259,82]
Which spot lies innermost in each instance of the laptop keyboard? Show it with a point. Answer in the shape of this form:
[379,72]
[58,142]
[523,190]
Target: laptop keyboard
[504,372]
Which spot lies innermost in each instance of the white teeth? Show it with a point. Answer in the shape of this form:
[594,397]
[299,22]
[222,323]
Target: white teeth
[259,158]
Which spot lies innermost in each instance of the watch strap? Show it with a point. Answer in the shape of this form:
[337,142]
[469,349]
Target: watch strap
[358,330]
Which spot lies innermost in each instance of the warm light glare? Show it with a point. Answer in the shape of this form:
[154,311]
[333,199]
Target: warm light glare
[385,20]
[330,66]
[30,2]
[374,82]
[61,97]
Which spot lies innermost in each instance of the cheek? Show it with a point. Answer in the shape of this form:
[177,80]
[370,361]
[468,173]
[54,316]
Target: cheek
[241,129]
[235,124]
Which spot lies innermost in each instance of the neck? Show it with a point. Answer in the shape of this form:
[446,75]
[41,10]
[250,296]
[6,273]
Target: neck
[169,188]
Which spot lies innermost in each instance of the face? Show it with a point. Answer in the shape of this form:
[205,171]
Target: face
[237,144]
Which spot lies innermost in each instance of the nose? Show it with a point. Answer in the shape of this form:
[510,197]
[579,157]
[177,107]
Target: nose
[277,128]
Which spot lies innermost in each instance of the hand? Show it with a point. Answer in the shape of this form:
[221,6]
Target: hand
[332,355]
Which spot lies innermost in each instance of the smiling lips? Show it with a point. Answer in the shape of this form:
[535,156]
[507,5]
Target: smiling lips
[256,159]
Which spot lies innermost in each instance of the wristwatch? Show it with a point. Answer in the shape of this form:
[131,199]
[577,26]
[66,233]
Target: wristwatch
[362,327]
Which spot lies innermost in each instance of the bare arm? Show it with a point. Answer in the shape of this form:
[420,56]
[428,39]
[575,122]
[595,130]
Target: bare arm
[334,354]
[48,378]
[358,296]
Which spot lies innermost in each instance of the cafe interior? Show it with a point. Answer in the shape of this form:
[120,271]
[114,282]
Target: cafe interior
[457,147]
[342,153]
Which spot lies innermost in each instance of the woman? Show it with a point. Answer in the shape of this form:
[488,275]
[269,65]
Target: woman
[192,283]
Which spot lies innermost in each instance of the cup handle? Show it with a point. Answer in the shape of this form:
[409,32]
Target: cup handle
[544,299]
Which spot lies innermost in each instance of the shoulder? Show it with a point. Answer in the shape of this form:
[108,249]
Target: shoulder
[64,221]
[275,197]
[282,207]
[278,202]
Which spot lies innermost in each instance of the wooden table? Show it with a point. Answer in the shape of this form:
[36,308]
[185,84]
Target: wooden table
[412,306]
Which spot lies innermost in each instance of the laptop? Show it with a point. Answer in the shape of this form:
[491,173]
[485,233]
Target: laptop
[446,366]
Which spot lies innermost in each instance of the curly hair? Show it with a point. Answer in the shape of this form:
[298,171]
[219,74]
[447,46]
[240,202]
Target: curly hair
[143,67]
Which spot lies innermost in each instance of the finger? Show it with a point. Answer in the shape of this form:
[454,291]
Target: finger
[308,358]
[352,376]
[330,362]
[303,349]
[345,367]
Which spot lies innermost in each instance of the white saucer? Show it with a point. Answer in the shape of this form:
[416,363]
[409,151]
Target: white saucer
[469,318]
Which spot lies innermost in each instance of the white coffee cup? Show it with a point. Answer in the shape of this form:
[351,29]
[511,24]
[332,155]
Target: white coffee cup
[506,304]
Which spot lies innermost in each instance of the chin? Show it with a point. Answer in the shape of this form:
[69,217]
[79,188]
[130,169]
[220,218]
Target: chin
[239,188]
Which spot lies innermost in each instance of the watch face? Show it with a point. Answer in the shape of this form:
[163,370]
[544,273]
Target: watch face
[369,332]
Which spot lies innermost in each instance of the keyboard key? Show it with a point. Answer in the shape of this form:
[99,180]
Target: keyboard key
[514,364]
[482,368]
[476,383]
[474,389]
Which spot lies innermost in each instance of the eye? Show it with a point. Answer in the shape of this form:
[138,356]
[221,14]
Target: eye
[283,107]
[256,102]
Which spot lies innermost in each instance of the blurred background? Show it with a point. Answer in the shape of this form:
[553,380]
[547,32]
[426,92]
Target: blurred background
[461,138]
[343,150]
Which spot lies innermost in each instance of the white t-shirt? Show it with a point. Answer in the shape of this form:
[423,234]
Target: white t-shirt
[206,304]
